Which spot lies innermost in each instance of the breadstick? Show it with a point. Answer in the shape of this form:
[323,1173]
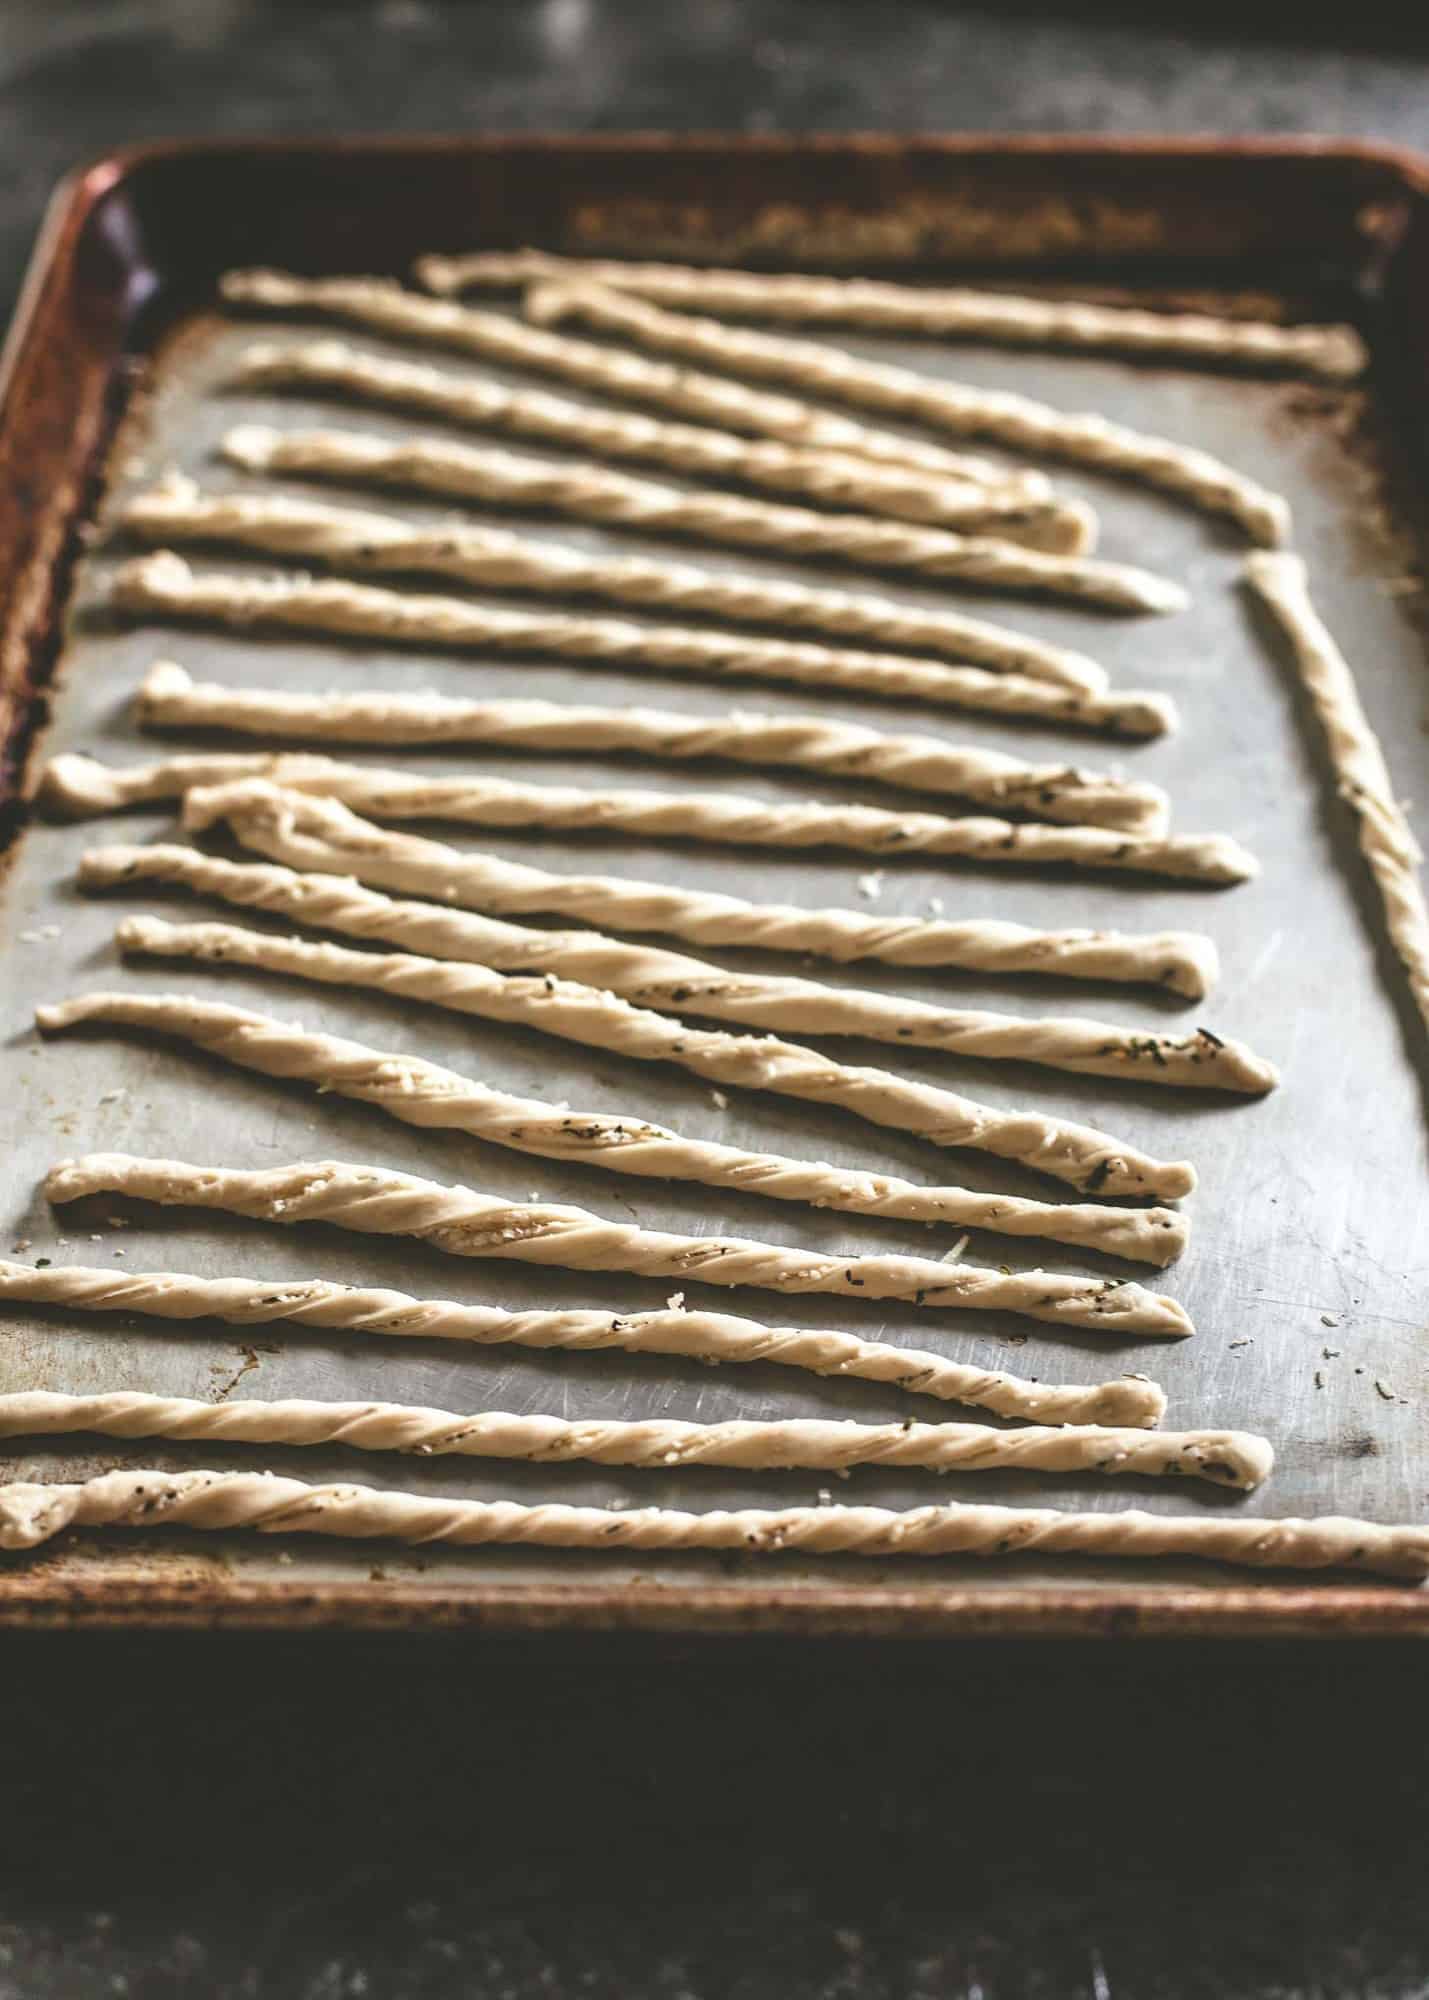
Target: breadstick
[952,407]
[79,787]
[828,479]
[31,1514]
[321,833]
[435,465]
[345,539]
[464,1223]
[952,312]
[383,306]
[1131,1400]
[515,562]
[586,1014]
[1073,1153]
[1226,1458]
[1387,841]
[170,699]
[673,983]
[422,1093]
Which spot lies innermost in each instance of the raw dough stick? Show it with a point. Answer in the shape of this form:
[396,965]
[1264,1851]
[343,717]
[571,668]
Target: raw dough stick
[515,562]
[662,979]
[1011,420]
[422,1093]
[321,833]
[383,306]
[465,1223]
[170,699]
[79,787]
[828,479]
[701,1336]
[344,539]
[1226,1458]
[434,465]
[1071,1153]
[1387,841]
[31,1513]
[1077,1154]
[586,1014]
[955,312]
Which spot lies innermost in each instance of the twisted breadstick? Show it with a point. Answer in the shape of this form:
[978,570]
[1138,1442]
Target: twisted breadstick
[712,1337]
[464,1223]
[514,562]
[321,833]
[383,306]
[1227,1458]
[1387,841]
[950,311]
[589,493]
[674,983]
[830,479]
[170,699]
[1076,1154]
[31,1514]
[586,1014]
[422,1093]
[80,787]
[345,539]
[948,406]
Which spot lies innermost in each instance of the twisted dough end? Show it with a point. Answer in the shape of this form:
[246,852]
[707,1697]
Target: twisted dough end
[1268,520]
[73,786]
[31,1514]
[1196,967]
[1135,1401]
[165,678]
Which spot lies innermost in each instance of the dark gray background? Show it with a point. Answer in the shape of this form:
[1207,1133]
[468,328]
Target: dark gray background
[327,1817]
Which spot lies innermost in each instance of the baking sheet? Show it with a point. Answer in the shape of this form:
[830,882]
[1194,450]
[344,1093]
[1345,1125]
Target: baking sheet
[1308,1273]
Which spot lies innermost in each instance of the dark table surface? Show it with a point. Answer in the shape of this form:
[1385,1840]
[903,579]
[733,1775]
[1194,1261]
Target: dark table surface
[322,1817]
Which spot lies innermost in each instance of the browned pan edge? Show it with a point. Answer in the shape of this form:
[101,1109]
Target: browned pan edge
[40,1600]
[134,237]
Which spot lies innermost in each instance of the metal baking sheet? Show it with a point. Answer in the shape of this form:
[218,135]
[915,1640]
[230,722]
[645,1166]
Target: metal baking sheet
[1308,1273]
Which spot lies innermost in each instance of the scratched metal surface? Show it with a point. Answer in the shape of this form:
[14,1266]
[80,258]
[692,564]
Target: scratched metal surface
[1308,1274]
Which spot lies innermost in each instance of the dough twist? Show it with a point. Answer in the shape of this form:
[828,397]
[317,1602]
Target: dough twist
[422,1093]
[1387,841]
[829,479]
[950,312]
[344,539]
[1131,1400]
[31,1514]
[595,1019]
[79,787]
[673,983]
[465,1223]
[1073,1153]
[952,407]
[170,699]
[600,1019]
[321,833]
[1226,1458]
[516,562]
[383,306]
[590,493]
